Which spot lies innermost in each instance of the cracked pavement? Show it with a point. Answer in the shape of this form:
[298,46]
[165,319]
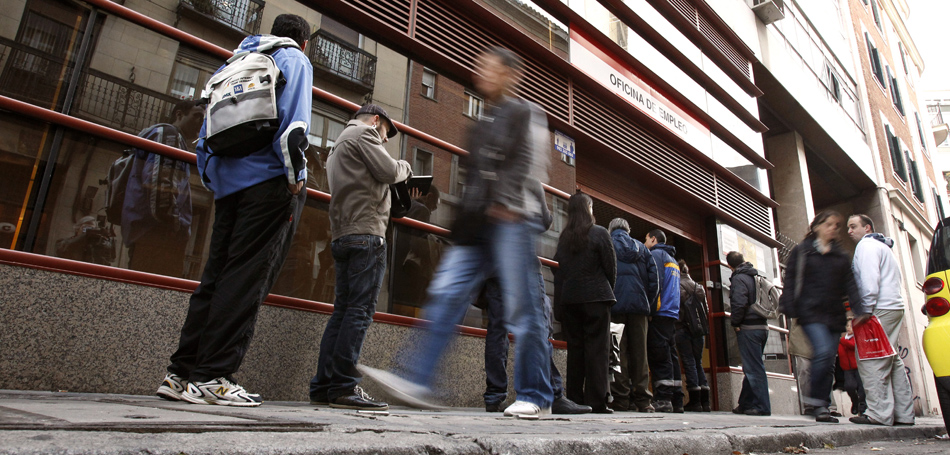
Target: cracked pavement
[45,422]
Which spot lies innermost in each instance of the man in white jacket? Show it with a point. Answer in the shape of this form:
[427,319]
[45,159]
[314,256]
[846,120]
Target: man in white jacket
[889,396]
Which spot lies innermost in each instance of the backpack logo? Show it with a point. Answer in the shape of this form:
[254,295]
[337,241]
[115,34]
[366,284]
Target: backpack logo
[238,89]
[766,298]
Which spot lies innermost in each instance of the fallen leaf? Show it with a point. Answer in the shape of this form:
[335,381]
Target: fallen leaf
[829,446]
[876,449]
[735,452]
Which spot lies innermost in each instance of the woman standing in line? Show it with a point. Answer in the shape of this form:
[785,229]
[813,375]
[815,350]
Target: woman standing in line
[583,295]
[818,279]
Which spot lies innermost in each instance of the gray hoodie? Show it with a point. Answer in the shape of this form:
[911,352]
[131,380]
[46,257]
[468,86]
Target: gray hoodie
[877,275]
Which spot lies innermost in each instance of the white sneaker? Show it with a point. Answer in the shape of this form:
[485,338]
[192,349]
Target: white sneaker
[219,391]
[172,387]
[400,390]
[526,410]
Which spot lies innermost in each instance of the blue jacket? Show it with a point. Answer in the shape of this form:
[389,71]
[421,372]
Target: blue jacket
[668,304]
[285,156]
[637,279]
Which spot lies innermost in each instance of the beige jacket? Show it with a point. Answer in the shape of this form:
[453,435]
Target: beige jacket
[359,172]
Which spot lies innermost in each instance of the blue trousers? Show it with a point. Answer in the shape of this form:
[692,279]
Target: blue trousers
[505,250]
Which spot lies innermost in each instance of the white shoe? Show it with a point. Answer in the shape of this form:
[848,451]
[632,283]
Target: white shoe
[400,390]
[219,391]
[526,410]
[172,387]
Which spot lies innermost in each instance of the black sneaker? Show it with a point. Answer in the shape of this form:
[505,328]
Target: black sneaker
[359,400]
[319,401]
[564,405]
[756,412]
[663,406]
[493,407]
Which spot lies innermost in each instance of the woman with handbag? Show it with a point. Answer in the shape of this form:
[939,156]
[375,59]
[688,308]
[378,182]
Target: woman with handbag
[819,276]
[583,295]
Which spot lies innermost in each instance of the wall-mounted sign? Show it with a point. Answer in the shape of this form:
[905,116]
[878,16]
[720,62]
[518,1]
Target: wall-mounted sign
[609,72]
[564,144]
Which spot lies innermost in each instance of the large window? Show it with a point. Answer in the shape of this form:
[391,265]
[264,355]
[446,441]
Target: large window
[875,58]
[897,158]
[191,73]
[895,92]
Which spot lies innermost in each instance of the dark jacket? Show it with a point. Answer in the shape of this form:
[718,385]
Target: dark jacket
[694,312]
[668,303]
[506,154]
[742,295]
[587,276]
[637,279]
[827,282]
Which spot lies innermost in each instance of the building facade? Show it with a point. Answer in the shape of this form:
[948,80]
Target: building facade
[699,118]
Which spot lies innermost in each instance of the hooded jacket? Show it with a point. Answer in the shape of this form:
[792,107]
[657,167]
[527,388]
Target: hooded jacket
[359,172]
[742,295]
[827,282]
[285,156]
[668,303]
[637,279]
[877,275]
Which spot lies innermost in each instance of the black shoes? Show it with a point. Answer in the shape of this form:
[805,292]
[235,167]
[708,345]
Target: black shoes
[604,410]
[493,407]
[358,400]
[663,406]
[756,412]
[564,405]
[738,410]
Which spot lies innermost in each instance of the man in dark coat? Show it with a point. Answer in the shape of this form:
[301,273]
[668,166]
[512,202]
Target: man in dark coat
[752,331]
[636,290]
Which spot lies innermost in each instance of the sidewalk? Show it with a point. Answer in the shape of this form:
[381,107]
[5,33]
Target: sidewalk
[43,422]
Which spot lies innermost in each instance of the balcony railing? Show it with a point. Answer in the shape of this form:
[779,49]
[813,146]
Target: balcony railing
[244,15]
[331,54]
[936,115]
[120,104]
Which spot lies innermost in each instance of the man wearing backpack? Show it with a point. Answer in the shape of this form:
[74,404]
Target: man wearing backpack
[258,201]
[752,331]
[156,210]
[691,331]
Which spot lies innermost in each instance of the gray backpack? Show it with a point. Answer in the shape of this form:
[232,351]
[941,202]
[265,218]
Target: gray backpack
[241,116]
[766,298]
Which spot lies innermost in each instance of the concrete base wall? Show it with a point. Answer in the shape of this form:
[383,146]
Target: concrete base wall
[783,393]
[68,332]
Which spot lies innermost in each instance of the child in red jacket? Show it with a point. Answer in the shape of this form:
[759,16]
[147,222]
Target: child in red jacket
[852,380]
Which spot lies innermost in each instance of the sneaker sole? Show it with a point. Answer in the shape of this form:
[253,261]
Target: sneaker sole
[319,403]
[386,380]
[168,395]
[193,399]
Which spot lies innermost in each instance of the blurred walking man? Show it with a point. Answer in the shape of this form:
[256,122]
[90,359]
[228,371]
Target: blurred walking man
[493,235]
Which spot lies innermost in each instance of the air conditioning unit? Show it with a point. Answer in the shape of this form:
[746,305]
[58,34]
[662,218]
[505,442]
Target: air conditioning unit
[769,11]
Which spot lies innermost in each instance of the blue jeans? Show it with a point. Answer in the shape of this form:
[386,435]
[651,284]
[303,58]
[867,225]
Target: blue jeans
[691,354]
[506,250]
[496,345]
[755,383]
[824,344]
[360,262]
